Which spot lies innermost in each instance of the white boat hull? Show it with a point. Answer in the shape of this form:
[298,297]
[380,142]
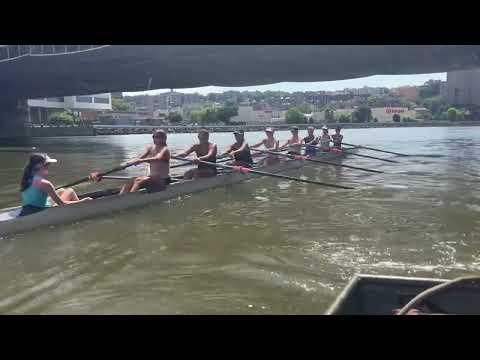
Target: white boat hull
[10,223]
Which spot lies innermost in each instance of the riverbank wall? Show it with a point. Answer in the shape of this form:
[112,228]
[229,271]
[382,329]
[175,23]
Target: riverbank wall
[54,131]
[125,130]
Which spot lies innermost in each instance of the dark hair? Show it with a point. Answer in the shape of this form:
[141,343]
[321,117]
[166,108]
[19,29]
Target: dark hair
[33,162]
[159,132]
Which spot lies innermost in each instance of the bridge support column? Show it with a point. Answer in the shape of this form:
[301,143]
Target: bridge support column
[13,122]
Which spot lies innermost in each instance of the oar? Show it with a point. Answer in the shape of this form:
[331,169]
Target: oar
[355,154]
[297,157]
[373,149]
[18,149]
[246,170]
[219,159]
[87,178]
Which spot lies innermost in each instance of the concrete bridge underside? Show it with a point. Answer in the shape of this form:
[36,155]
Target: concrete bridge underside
[142,67]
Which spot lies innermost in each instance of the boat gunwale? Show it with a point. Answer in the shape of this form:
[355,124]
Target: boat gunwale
[358,279]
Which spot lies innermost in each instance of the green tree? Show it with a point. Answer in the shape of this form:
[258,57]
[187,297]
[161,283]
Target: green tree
[61,118]
[174,118]
[362,114]
[225,113]
[396,117]
[452,114]
[305,109]
[120,105]
[294,116]
[430,89]
[344,118]
[436,105]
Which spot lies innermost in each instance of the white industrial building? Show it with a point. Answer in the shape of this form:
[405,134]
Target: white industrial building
[84,105]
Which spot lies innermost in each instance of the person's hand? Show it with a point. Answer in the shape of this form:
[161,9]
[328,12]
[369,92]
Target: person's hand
[232,154]
[196,161]
[95,176]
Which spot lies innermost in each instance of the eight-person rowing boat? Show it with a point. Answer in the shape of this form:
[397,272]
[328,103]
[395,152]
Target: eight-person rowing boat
[158,185]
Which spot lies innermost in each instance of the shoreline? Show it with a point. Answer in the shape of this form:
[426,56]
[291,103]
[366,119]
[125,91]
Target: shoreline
[101,130]
[128,130]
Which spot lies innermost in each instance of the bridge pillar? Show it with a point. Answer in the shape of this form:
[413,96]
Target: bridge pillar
[13,122]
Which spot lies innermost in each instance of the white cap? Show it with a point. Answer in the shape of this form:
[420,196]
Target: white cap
[324,127]
[49,160]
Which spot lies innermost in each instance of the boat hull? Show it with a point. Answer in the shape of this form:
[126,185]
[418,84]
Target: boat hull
[380,295]
[10,223]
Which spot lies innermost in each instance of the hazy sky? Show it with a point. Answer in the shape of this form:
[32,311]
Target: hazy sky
[389,81]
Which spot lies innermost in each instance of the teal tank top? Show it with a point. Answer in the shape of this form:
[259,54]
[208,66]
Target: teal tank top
[35,197]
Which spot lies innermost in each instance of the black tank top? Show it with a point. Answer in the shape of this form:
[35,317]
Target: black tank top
[244,156]
[308,139]
[337,140]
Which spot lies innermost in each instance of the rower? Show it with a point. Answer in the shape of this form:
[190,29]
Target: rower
[270,143]
[36,189]
[325,139]
[240,151]
[310,141]
[157,156]
[205,151]
[294,143]
[337,138]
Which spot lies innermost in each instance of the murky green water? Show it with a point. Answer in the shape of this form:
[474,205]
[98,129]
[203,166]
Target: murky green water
[261,247]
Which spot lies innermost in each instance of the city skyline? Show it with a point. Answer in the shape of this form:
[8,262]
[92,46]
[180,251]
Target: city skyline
[388,81]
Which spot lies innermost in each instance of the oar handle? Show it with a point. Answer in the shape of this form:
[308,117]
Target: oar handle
[264,173]
[374,149]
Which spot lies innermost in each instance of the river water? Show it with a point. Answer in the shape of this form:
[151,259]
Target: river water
[267,246]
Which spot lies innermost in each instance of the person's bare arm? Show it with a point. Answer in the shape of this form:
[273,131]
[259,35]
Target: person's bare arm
[298,142]
[162,155]
[258,145]
[284,145]
[227,152]
[240,149]
[211,152]
[141,157]
[187,152]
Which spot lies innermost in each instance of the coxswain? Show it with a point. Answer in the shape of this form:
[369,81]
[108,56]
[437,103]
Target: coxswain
[337,138]
[157,156]
[325,140]
[270,143]
[204,151]
[294,143]
[240,151]
[37,191]
[311,142]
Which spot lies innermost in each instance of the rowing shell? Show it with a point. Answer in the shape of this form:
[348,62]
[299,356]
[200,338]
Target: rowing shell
[107,201]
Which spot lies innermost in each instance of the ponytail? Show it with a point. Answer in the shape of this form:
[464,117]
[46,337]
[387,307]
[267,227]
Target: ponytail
[28,171]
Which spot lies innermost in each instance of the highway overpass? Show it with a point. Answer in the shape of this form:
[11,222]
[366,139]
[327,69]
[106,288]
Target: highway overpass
[31,71]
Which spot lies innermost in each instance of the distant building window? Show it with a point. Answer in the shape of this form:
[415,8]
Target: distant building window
[55,99]
[101,100]
[84,99]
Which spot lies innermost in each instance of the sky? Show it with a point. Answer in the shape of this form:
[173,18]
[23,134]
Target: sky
[389,81]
